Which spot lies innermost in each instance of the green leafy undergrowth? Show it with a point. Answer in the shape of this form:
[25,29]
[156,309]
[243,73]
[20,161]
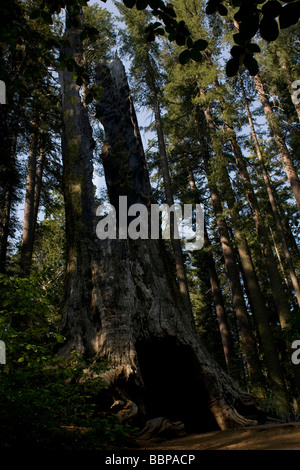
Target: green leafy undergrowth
[54,407]
[47,402]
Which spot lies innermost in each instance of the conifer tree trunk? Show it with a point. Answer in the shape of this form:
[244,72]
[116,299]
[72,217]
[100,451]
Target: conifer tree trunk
[277,288]
[38,185]
[29,210]
[247,337]
[253,289]
[32,202]
[278,291]
[256,299]
[122,302]
[289,80]
[279,140]
[258,305]
[6,204]
[176,244]
[272,200]
[78,325]
[218,299]
[8,181]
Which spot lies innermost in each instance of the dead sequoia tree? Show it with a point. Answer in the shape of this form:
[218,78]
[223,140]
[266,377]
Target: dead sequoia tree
[122,302]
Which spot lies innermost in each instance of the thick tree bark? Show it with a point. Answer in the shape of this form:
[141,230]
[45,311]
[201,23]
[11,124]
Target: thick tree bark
[122,301]
[279,140]
[78,325]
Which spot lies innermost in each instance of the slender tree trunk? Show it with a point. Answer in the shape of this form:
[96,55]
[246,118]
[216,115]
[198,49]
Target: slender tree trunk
[38,186]
[176,244]
[122,302]
[290,236]
[225,335]
[275,211]
[289,80]
[32,201]
[247,337]
[257,302]
[29,210]
[263,237]
[259,308]
[278,292]
[279,259]
[279,140]
[220,308]
[5,229]
[279,296]
[8,181]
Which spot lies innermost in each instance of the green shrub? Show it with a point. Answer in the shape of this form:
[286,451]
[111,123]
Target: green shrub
[47,402]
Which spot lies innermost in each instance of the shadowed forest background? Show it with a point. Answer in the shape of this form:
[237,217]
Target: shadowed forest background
[102,337]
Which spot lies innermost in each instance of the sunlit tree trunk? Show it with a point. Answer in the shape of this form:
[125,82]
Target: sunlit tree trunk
[260,311]
[276,285]
[275,211]
[278,290]
[238,300]
[279,140]
[209,263]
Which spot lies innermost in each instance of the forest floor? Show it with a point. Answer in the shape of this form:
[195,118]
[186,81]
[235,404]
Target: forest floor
[264,437]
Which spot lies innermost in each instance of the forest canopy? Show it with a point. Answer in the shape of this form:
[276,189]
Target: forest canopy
[187,102]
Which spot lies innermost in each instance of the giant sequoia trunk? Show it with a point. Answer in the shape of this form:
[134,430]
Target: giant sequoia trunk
[122,301]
